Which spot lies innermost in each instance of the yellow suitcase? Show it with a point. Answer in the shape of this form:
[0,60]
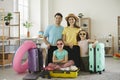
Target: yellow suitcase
[64,74]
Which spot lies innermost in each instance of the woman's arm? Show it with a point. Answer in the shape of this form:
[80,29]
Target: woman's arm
[66,44]
[64,39]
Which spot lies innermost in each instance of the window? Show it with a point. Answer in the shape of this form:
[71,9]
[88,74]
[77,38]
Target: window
[23,8]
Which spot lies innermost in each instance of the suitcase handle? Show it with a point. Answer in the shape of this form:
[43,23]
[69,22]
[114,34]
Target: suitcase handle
[58,71]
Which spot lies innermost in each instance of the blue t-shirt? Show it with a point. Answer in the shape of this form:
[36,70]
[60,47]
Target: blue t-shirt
[53,33]
[60,55]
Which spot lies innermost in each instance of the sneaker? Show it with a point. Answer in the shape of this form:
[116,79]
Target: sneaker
[62,69]
[67,68]
[73,68]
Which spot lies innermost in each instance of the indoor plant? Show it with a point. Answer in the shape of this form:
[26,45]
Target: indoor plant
[7,18]
[27,25]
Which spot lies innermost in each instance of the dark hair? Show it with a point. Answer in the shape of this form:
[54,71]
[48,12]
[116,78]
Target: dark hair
[68,24]
[78,37]
[58,14]
[60,40]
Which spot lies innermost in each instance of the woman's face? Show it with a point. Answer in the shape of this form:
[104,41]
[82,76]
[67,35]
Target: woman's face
[71,20]
[82,35]
[60,44]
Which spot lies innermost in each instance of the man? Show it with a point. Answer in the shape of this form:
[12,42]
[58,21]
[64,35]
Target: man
[52,34]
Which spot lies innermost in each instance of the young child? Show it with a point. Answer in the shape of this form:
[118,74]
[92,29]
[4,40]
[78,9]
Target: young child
[60,57]
[83,42]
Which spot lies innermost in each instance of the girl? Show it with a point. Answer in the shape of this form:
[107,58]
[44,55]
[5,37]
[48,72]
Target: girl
[83,42]
[60,57]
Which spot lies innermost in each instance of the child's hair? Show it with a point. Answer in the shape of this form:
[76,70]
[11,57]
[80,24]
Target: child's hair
[60,40]
[78,35]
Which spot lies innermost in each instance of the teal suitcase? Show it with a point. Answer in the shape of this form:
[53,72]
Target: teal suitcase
[97,58]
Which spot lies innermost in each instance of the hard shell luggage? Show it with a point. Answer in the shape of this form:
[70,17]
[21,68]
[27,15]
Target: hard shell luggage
[35,60]
[97,58]
[64,74]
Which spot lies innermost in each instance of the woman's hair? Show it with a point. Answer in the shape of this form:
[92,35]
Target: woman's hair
[78,35]
[75,25]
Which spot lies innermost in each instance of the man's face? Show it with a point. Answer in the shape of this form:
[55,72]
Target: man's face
[58,19]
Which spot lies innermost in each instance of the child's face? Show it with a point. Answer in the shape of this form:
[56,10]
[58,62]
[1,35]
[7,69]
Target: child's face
[82,35]
[60,44]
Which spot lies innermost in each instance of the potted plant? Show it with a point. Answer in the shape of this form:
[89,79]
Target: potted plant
[27,25]
[80,15]
[7,18]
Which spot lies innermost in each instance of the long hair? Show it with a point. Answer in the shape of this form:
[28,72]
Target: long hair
[78,35]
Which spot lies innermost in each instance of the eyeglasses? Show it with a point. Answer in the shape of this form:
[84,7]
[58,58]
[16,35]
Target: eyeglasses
[59,43]
[82,34]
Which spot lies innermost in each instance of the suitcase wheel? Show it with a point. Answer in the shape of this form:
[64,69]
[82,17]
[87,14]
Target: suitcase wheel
[100,72]
[49,77]
[46,74]
[29,71]
[91,72]
[43,76]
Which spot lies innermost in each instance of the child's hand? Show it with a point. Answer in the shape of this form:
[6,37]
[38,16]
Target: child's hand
[94,44]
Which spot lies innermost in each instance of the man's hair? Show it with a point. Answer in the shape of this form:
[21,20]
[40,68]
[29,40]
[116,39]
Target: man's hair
[58,14]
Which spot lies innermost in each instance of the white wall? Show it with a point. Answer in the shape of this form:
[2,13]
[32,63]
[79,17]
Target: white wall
[44,13]
[103,14]
[7,5]
[35,18]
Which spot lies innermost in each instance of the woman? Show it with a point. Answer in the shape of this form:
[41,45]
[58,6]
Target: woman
[69,38]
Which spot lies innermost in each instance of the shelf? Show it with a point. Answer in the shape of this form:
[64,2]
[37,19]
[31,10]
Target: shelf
[9,37]
[109,45]
[7,58]
[118,34]
[14,24]
[85,24]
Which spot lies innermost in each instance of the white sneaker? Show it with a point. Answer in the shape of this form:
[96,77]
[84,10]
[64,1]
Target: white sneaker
[67,68]
[73,68]
[62,69]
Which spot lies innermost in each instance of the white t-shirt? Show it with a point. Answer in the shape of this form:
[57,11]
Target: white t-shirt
[83,48]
